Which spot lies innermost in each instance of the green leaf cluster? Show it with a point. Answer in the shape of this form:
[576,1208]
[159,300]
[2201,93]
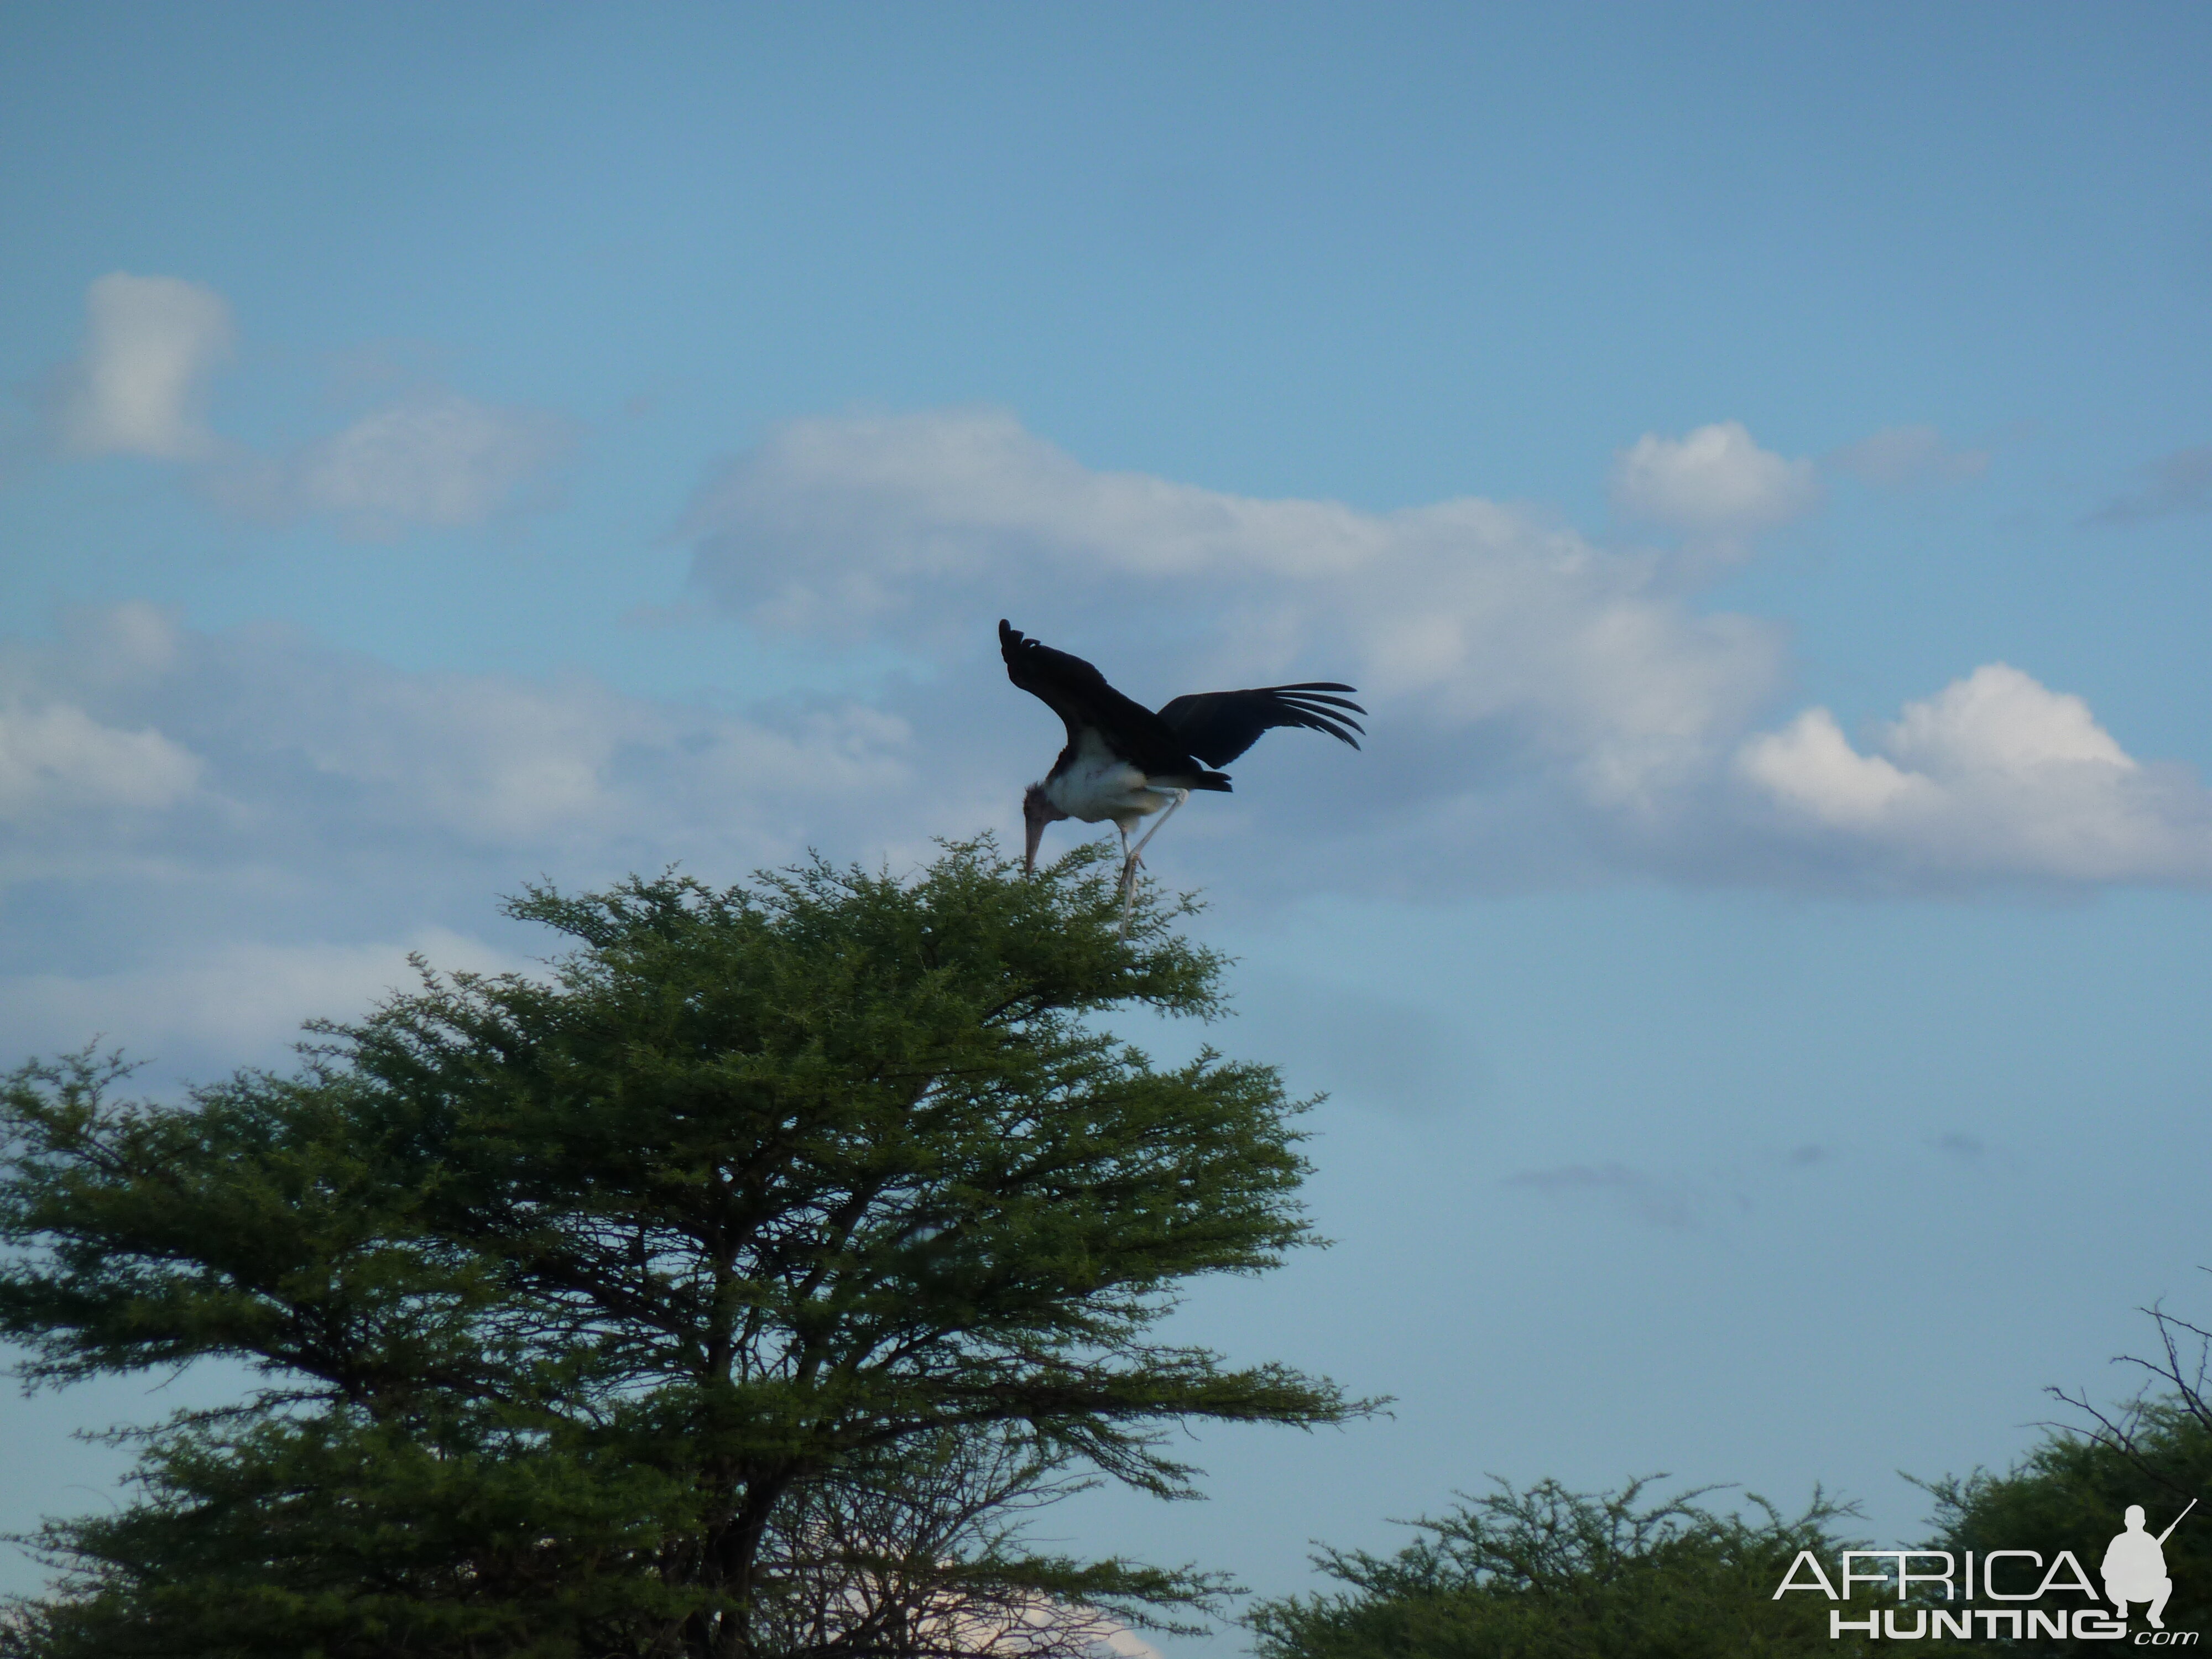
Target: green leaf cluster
[567,1292]
[1548,1573]
[2072,1492]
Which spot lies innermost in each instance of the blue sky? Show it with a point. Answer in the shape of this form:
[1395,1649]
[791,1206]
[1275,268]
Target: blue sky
[1756,462]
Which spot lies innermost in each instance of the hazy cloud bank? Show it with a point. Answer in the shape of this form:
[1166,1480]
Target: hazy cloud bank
[2176,483]
[1907,458]
[209,818]
[204,837]
[432,459]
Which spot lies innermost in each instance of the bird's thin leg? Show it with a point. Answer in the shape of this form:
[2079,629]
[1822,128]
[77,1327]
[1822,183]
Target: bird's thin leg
[1137,857]
[1128,876]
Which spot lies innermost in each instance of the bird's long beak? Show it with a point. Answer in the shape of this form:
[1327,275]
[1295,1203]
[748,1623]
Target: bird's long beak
[1037,810]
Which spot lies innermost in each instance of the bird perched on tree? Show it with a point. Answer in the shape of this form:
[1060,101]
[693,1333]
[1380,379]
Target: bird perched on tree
[1125,763]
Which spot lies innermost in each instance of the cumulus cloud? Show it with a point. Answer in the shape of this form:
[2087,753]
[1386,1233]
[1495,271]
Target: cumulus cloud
[832,526]
[138,385]
[56,760]
[2176,483]
[1996,775]
[1812,764]
[1716,485]
[1904,457]
[434,459]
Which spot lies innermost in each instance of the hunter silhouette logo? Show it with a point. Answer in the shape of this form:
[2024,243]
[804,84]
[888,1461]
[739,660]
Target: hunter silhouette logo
[2135,1566]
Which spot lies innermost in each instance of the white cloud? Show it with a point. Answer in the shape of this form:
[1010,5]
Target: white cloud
[438,458]
[299,756]
[1811,764]
[319,805]
[229,1001]
[1717,484]
[1900,457]
[56,759]
[1126,1643]
[2000,721]
[434,459]
[832,526]
[1469,614]
[136,388]
[512,762]
[1995,776]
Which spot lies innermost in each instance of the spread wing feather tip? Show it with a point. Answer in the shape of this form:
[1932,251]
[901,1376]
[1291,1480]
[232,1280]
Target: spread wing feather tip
[1219,725]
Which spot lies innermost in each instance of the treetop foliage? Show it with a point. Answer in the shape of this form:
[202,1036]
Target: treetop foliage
[571,1293]
[1549,1573]
[2072,1492]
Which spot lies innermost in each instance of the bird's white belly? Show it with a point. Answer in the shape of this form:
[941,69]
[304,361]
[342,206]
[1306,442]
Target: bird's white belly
[1101,786]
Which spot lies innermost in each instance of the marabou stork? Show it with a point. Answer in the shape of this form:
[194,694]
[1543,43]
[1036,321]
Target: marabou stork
[1123,761]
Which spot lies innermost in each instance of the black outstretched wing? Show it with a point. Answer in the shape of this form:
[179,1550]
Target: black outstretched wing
[1219,725]
[1078,694]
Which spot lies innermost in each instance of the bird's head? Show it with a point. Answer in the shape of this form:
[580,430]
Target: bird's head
[1036,812]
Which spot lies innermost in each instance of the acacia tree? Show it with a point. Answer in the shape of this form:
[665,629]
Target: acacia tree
[589,1306]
